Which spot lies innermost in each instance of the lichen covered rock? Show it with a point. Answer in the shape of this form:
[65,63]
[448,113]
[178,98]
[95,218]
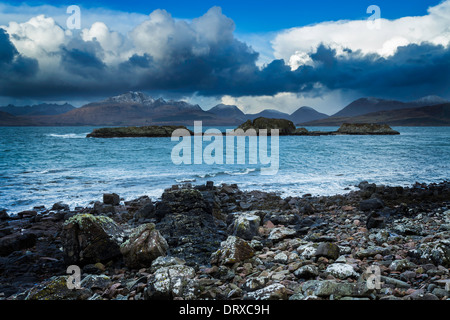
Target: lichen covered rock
[88,239]
[144,245]
[56,289]
[233,250]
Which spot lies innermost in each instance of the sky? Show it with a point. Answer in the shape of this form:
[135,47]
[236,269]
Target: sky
[254,54]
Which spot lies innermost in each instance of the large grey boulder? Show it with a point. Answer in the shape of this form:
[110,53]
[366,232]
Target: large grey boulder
[88,239]
[144,245]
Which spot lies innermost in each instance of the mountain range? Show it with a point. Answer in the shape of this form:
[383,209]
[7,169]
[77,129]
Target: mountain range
[138,109]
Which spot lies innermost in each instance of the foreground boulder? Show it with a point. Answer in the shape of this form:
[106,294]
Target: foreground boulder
[175,281]
[88,239]
[123,132]
[185,219]
[144,245]
[56,289]
[233,250]
[245,225]
[16,241]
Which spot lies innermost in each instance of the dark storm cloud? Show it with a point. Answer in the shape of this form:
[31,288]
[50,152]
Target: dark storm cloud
[12,64]
[204,57]
[82,58]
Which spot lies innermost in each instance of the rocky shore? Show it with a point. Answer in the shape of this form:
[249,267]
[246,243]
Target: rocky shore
[223,243]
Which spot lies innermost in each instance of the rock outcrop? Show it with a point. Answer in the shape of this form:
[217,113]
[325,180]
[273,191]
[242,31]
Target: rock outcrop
[131,132]
[366,128]
[285,127]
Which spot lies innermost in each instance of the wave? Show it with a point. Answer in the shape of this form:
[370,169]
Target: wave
[185,180]
[68,135]
[240,173]
[226,173]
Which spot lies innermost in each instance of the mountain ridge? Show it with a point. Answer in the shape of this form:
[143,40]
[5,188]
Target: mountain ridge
[139,109]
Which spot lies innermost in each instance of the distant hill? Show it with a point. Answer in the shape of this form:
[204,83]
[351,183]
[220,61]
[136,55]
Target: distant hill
[133,108]
[43,109]
[369,105]
[305,114]
[7,119]
[228,112]
[268,113]
[436,115]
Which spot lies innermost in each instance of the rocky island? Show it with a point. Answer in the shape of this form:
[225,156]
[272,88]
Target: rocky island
[288,128]
[130,132]
[285,127]
[222,243]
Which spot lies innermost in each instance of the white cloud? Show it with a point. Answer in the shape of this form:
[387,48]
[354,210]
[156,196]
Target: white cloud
[118,21]
[292,45]
[111,42]
[39,38]
[163,37]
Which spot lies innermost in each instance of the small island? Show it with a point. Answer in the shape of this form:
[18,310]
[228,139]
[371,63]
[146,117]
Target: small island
[285,127]
[352,129]
[134,132]
[288,128]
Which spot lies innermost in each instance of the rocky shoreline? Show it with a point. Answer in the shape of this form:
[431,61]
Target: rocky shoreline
[222,243]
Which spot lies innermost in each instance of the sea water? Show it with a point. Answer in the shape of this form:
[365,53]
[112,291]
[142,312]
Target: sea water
[43,165]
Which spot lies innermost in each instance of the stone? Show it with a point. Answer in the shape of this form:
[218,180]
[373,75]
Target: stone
[328,250]
[327,288]
[280,233]
[144,245]
[56,289]
[281,258]
[307,272]
[371,204]
[96,282]
[16,241]
[185,219]
[400,265]
[395,282]
[165,261]
[255,283]
[308,250]
[111,198]
[437,252]
[88,239]
[233,250]
[341,271]
[245,225]
[4,215]
[101,209]
[274,291]
[371,251]
[27,214]
[60,206]
[374,220]
[176,281]
[145,212]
